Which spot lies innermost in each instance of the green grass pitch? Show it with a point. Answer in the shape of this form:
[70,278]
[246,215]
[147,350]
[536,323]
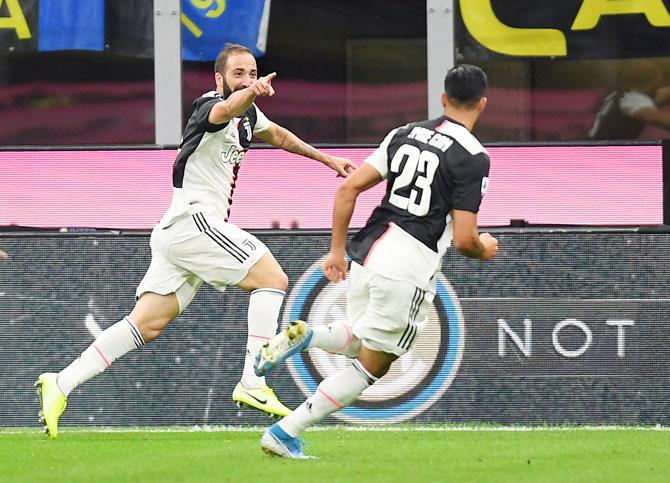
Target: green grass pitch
[395,454]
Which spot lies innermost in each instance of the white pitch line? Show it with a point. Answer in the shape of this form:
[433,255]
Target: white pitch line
[391,429]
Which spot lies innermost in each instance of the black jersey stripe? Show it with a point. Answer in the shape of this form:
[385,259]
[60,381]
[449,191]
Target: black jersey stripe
[417,304]
[224,239]
[224,242]
[410,341]
[411,329]
[363,372]
[229,248]
[232,253]
[232,243]
[413,307]
[404,334]
[204,228]
[198,223]
[137,337]
[203,222]
[404,344]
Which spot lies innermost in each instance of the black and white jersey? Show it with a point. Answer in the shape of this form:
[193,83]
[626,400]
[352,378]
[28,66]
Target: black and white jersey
[431,167]
[209,157]
[615,118]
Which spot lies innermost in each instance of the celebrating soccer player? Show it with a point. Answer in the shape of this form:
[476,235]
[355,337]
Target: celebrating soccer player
[194,242]
[437,173]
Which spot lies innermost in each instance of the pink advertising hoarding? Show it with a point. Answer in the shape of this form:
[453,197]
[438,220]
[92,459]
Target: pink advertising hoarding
[130,189]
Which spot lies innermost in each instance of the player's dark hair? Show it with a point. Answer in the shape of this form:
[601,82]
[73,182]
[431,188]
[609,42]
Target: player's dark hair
[228,50]
[465,84]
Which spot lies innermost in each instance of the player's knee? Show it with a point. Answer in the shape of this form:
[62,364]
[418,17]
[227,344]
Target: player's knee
[282,281]
[353,348]
[151,329]
[149,334]
[277,279]
[376,363]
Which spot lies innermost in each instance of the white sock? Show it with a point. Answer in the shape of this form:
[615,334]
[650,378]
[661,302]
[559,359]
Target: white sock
[334,393]
[264,307]
[115,341]
[335,338]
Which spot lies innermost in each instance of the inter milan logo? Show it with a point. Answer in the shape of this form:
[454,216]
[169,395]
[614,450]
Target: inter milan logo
[416,380]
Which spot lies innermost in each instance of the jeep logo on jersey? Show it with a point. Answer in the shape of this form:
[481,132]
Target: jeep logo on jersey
[231,155]
[416,380]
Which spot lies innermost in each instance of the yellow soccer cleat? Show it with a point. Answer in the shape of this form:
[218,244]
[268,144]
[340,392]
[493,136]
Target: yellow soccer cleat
[262,398]
[52,402]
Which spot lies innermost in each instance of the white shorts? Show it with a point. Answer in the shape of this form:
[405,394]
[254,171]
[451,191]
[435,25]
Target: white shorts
[198,248]
[387,315]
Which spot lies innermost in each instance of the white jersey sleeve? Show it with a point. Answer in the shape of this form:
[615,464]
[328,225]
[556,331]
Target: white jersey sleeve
[262,122]
[633,101]
[379,157]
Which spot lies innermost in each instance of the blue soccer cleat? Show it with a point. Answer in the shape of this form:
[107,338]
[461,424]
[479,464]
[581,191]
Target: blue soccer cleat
[277,442]
[294,338]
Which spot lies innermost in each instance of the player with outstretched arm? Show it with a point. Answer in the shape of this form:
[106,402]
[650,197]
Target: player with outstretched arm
[194,242]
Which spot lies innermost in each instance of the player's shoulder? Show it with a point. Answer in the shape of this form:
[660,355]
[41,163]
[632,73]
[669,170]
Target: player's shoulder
[207,97]
[431,130]
[253,111]
[461,135]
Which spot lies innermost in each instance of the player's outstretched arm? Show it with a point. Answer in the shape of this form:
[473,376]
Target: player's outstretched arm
[468,241]
[240,101]
[281,137]
[364,178]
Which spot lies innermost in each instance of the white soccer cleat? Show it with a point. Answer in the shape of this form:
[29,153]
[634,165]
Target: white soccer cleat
[276,442]
[295,338]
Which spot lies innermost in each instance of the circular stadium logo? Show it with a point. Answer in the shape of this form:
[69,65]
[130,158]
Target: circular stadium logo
[416,380]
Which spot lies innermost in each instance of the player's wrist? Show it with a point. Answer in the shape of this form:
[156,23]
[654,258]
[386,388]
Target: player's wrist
[337,252]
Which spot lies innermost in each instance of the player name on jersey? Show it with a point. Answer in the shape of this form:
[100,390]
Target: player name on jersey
[431,138]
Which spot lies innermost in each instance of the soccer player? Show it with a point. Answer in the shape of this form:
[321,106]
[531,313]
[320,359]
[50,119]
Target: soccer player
[627,111]
[437,173]
[194,243]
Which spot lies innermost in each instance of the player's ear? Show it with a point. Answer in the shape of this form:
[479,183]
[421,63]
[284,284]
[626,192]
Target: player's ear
[481,105]
[218,78]
[443,99]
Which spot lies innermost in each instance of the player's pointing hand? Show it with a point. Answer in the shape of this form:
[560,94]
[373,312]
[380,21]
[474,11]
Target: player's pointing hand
[263,85]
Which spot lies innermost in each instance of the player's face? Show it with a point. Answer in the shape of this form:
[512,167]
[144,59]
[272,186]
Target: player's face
[240,72]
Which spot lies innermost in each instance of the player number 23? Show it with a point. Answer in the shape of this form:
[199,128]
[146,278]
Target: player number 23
[423,162]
